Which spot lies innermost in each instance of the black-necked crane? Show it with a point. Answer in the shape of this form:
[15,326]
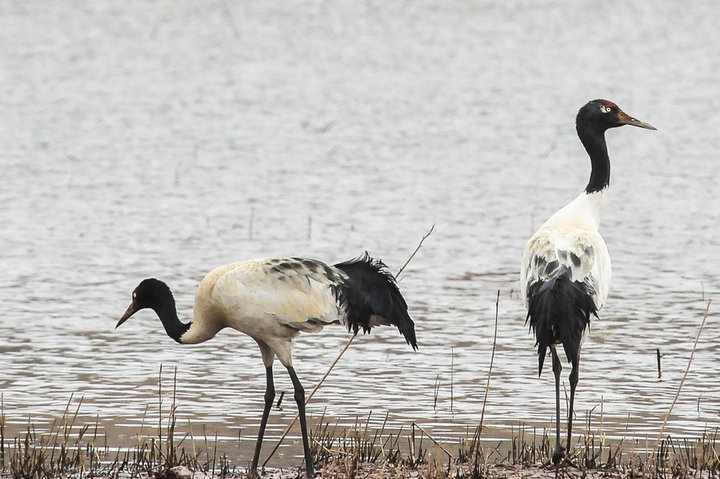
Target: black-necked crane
[272,300]
[565,271]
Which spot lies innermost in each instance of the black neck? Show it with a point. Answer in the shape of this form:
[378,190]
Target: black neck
[593,139]
[173,326]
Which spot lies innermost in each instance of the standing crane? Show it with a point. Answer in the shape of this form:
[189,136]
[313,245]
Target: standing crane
[272,300]
[565,273]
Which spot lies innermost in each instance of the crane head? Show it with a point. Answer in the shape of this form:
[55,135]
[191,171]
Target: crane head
[150,293]
[607,114]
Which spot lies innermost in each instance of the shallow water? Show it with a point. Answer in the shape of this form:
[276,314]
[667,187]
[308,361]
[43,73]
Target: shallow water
[165,138]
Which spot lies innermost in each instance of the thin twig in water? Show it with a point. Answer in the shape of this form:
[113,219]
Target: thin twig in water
[452,379]
[422,240]
[2,430]
[478,431]
[160,405]
[437,387]
[347,345]
[682,381]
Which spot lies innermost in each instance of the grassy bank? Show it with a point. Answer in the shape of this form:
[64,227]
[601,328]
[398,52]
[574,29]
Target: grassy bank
[360,450]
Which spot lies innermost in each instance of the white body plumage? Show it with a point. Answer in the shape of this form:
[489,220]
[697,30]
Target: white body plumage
[570,239]
[280,298]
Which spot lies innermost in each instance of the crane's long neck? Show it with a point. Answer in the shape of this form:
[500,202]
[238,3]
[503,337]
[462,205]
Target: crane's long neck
[593,139]
[169,318]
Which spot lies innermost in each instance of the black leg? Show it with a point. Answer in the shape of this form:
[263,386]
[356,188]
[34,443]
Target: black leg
[269,396]
[559,451]
[573,383]
[300,400]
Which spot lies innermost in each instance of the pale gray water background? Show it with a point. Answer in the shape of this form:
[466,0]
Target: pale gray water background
[144,138]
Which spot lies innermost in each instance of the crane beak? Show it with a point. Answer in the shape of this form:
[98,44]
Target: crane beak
[626,119]
[132,309]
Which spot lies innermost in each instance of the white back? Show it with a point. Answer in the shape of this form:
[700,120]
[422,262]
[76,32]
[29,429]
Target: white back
[571,237]
[269,299]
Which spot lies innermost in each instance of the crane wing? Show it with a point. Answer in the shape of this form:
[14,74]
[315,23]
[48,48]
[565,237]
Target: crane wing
[295,293]
[582,253]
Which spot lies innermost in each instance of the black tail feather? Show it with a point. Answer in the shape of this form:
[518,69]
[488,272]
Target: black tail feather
[559,311]
[371,290]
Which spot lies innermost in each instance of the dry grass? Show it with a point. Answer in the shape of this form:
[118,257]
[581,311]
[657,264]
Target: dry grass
[72,449]
[356,451]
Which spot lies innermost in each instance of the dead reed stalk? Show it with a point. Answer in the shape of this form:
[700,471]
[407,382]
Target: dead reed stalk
[478,430]
[2,432]
[682,381]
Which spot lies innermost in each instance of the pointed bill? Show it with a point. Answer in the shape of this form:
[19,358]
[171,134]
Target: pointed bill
[129,312]
[626,119]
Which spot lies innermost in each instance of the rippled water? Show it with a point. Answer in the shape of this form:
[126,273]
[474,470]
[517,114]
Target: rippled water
[165,138]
